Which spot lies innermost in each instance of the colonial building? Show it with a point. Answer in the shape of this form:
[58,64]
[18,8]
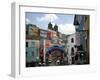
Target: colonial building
[32,45]
[32,52]
[32,32]
[71,42]
[81,23]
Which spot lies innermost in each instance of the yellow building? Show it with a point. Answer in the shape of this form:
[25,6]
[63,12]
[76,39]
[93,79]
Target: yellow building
[87,29]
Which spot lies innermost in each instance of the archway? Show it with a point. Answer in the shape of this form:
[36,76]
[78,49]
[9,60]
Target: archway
[55,55]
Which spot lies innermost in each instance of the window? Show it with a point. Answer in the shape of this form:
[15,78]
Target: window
[27,32]
[72,51]
[26,44]
[32,44]
[72,40]
[26,54]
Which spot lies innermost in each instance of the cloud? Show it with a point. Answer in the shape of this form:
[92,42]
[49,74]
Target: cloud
[53,24]
[48,18]
[28,21]
[66,29]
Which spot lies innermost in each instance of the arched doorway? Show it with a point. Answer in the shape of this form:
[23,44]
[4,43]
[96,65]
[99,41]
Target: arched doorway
[55,55]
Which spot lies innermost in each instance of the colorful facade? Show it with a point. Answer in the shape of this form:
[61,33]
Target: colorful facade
[82,36]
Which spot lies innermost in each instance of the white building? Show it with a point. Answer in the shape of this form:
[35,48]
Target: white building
[77,34]
[71,42]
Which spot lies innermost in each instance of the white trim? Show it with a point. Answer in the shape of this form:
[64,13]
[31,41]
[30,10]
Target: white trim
[15,40]
[18,38]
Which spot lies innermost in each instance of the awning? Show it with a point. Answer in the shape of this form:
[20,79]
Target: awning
[53,48]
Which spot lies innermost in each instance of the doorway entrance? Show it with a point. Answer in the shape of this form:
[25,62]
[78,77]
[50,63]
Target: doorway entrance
[55,56]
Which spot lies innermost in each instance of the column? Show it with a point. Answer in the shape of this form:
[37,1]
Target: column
[44,49]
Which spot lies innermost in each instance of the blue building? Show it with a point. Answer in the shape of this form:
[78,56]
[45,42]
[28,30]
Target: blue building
[32,45]
[32,52]
[81,23]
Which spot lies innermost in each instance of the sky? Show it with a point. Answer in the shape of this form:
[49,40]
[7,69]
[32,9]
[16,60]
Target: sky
[64,21]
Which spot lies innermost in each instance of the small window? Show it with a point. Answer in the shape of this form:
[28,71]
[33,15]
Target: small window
[26,54]
[72,51]
[26,44]
[26,32]
[72,40]
[32,44]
